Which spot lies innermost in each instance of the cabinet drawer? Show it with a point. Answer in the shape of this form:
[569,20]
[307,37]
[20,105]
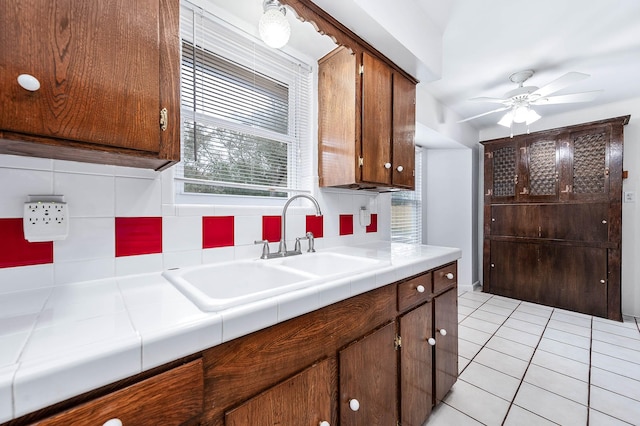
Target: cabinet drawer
[444,277]
[414,291]
[170,398]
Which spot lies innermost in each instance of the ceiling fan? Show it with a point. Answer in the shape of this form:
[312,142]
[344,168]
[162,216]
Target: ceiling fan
[519,101]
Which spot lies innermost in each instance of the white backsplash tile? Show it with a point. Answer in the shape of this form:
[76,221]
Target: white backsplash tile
[26,278]
[17,184]
[137,197]
[84,270]
[131,265]
[181,233]
[86,195]
[89,238]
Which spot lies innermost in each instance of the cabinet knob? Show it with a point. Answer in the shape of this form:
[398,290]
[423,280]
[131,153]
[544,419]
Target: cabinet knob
[387,165]
[493,265]
[431,341]
[420,289]
[400,169]
[442,331]
[604,221]
[354,404]
[113,422]
[28,82]
[449,276]
[602,281]
[324,423]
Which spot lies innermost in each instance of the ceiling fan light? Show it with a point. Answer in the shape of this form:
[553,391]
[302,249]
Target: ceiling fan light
[532,117]
[520,114]
[506,120]
[273,27]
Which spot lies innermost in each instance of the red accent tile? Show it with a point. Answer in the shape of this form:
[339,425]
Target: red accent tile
[346,224]
[138,235]
[271,228]
[16,251]
[373,227]
[315,225]
[217,231]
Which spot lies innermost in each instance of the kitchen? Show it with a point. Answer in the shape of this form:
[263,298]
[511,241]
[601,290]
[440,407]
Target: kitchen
[97,194]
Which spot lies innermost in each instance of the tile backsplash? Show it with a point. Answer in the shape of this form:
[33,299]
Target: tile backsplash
[124,221]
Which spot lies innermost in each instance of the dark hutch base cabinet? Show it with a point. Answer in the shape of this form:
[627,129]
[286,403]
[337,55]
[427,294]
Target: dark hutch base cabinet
[553,217]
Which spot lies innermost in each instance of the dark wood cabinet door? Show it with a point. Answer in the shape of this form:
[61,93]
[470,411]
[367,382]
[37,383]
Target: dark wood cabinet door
[303,400]
[416,366]
[404,130]
[376,121]
[445,308]
[501,172]
[368,374]
[539,170]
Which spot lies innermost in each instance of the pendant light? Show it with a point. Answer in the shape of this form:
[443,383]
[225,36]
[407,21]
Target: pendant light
[273,27]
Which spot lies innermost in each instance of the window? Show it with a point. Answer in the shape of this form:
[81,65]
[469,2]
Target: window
[245,112]
[406,210]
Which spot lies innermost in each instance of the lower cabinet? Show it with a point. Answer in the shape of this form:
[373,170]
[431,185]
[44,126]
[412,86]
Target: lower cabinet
[368,380]
[446,342]
[303,400]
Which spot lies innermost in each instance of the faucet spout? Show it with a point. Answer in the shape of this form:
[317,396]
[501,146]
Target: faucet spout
[282,248]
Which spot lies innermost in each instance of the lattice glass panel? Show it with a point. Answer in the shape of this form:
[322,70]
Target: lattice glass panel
[589,163]
[542,168]
[504,171]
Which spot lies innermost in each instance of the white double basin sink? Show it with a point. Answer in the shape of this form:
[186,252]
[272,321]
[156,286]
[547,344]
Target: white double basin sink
[219,286]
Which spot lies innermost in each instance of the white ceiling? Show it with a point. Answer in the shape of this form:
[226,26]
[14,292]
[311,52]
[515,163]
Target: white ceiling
[461,49]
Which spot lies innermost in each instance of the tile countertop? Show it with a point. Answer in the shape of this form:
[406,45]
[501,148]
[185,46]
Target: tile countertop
[62,341]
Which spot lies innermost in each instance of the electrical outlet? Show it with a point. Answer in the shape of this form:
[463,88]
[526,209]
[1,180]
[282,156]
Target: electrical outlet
[629,197]
[45,220]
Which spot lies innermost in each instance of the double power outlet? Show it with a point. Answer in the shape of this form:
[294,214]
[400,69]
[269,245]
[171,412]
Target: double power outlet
[46,218]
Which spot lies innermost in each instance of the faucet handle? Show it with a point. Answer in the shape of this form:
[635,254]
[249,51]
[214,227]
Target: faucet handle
[311,248]
[265,248]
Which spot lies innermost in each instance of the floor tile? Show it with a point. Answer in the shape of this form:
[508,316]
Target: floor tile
[518,336]
[616,339]
[558,383]
[569,328]
[476,336]
[478,324]
[615,365]
[477,403]
[577,318]
[524,326]
[596,418]
[568,351]
[503,303]
[562,365]
[509,347]
[615,351]
[489,317]
[491,380]
[469,303]
[621,329]
[496,309]
[532,308]
[462,363]
[615,405]
[615,383]
[465,310]
[476,295]
[519,416]
[505,363]
[550,405]
[445,415]
[530,318]
[468,349]
[569,338]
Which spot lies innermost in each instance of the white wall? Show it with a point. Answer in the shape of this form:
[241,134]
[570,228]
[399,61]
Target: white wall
[448,202]
[630,211]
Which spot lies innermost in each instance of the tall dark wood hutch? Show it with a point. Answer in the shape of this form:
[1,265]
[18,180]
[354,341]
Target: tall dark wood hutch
[553,217]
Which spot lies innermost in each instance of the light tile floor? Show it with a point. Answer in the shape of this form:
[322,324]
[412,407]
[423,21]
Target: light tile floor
[527,364]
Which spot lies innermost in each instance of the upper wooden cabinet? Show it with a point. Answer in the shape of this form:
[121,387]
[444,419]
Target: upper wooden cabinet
[366,136]
[107,71]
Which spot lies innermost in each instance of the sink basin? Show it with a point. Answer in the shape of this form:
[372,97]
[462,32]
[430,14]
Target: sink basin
[327,264]
[219,286]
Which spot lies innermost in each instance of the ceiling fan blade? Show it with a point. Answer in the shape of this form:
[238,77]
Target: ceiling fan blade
[567,99]
[487,99]
[484,113]
[560,83]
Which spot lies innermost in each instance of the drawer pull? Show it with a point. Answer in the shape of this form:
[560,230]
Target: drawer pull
[399,169]
[442,331]
[28,82]
[113,422]
[420,289]
[387,165]
[449,276]
[354,404]
[431,341]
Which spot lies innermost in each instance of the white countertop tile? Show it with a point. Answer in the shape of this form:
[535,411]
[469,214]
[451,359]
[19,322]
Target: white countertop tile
[73,338]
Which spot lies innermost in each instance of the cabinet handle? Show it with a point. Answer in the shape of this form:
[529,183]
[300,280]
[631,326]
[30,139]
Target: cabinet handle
[420,289]
[431,341]
[449,275]
[399,169]
[387,165]
[354,404]
[324,423]
[602,281]
[442,332]
[28,82]
[604,221]
[113,422]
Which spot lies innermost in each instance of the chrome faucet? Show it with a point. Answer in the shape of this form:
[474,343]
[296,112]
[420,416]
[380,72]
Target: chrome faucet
[282,248]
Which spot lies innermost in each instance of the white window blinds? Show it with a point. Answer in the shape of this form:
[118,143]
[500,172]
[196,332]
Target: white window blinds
[406,210]
[245,112]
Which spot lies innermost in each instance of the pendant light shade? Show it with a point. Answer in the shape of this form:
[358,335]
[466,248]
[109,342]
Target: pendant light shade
[273,27]
[520,114]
